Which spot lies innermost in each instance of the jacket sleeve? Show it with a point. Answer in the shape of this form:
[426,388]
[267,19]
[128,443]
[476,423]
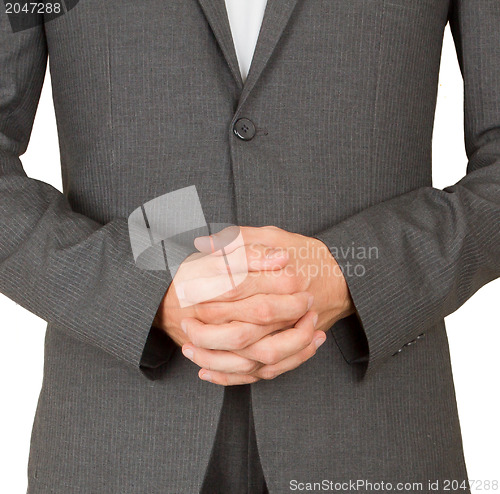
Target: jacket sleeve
[65,267]
[435,248]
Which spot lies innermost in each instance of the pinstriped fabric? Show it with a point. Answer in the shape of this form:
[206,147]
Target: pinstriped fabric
[421,276]
[343,96]
[102,427]
[275,21]
[215,11]
[68,269]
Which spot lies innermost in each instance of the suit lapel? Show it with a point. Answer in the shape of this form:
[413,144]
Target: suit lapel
[216,14]
[275,20]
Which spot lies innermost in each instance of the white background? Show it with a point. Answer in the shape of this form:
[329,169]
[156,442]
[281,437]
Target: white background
[472,330]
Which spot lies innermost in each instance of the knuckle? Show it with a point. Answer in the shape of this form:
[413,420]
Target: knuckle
[289,284]
[199,311]
[309,353]
[268,373]
[208,312]
[208,364]
[265,312]
[249,367]
[238,340]
[269,356]
[221,379]
[212,311]
[194,337]
[305,338]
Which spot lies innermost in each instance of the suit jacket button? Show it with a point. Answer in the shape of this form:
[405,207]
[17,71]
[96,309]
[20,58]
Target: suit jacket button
[244,129]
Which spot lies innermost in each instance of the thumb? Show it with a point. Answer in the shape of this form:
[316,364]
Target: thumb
[229,239]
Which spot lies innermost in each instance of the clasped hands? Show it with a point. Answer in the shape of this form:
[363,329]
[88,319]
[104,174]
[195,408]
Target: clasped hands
[268,317]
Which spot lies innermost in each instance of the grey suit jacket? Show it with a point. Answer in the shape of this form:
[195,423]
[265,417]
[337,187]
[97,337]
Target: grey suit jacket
[342,94]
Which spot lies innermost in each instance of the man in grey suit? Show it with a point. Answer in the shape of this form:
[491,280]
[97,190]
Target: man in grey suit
[329,141]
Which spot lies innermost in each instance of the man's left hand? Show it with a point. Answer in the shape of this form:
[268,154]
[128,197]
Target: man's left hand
[311,268]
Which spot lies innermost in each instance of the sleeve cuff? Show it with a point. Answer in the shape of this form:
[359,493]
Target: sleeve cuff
[158,351]
[384,321]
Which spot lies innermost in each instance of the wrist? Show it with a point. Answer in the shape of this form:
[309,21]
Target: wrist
[339,297]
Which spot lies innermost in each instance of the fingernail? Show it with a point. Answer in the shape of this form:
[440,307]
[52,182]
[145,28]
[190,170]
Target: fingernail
[184,326]
[310,302]
[315,320]
[276,254]
[188,353]
[206,376]
[319,341]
